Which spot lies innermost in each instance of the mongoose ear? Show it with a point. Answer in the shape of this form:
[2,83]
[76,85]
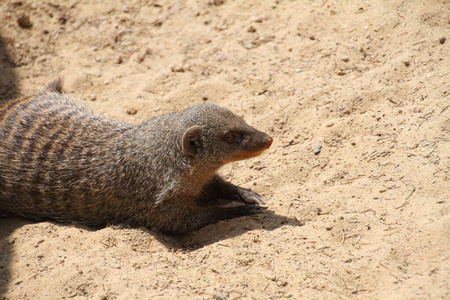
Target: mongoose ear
[54,86]
[192,140]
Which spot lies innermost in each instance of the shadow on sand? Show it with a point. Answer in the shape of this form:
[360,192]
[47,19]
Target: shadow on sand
[210,234]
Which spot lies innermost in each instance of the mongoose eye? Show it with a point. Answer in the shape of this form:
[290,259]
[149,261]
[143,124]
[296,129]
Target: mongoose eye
[231,138]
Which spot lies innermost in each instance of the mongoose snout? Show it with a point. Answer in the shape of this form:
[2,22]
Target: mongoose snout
[268,141]
[61,161]
[258,143]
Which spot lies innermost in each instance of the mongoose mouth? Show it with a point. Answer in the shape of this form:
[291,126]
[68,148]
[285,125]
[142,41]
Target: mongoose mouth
[249,154]
[246,155]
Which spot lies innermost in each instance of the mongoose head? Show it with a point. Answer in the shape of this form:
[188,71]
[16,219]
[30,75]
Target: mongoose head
[215,135]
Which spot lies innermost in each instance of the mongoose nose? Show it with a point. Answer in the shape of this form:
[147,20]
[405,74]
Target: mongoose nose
[268,141]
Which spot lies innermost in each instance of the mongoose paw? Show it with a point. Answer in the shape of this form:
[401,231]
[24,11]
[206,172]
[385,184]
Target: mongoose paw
[249,197]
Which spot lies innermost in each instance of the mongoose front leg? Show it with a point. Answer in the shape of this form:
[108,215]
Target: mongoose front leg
[218,188]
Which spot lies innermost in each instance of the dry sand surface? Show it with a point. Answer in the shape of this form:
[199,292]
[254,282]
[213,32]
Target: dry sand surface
[366,83]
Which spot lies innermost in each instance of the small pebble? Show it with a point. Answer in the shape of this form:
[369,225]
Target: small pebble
[247,44]
[258,19]
[141,56]
[407,63]
[251,29]
[442,40]
[217,2]
[345,59]
[38,242]
[131,111]
[271,277]
[282,283]
[221,296]
[323,163]
[158,23]
[329,227]
[178,69]
[24,22]
[317,148]
[329,124]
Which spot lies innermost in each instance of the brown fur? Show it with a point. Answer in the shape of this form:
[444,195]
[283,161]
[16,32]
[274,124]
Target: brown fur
[60,161]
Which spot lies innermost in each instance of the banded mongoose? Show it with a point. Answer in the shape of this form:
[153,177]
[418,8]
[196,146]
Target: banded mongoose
[61,161]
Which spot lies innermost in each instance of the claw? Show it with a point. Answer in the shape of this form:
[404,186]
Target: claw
[245,210]
[250,197]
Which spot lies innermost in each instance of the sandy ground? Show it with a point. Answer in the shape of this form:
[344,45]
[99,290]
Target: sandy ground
[367,81]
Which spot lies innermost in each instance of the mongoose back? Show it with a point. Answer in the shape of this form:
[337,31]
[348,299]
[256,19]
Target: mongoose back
[61,161]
